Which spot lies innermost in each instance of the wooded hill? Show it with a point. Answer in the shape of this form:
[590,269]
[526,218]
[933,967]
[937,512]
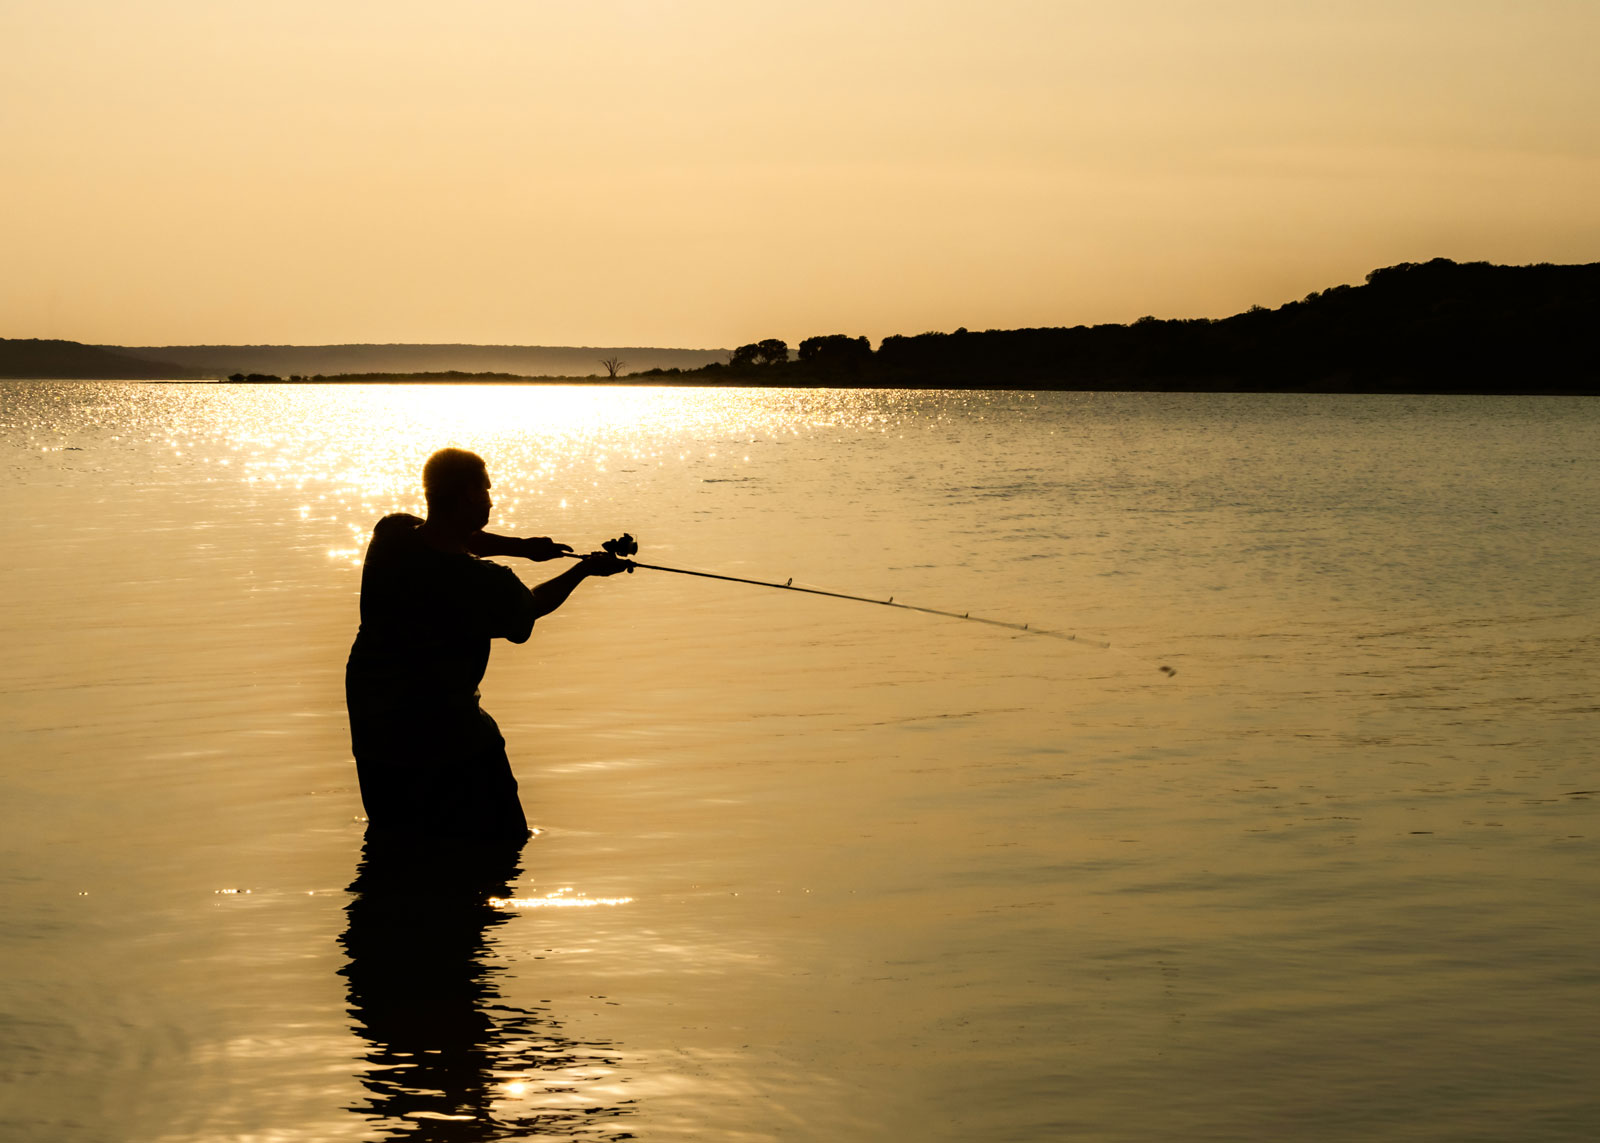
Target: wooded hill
[1433,327]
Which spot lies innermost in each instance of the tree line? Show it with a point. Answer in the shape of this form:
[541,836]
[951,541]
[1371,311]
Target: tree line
[1437,326]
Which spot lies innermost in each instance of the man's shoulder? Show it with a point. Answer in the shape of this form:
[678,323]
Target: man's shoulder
[397,532]
[396,523]
[394,537]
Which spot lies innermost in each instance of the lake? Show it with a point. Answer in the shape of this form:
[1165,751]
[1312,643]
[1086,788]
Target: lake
[809,868]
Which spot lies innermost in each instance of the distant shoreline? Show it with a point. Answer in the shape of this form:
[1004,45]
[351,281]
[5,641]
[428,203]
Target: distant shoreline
[1429,327]
[691,382]
[683,381]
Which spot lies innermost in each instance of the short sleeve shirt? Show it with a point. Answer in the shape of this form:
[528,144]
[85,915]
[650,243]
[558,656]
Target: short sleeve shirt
[426,621]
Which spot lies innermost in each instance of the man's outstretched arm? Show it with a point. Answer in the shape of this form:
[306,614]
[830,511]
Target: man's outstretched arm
[536,548]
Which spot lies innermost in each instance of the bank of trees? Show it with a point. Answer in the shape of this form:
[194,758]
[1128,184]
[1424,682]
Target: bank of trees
[760,355]
[1436,326]
[831,356]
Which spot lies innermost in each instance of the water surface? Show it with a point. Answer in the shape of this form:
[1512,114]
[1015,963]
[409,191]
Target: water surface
[810,869]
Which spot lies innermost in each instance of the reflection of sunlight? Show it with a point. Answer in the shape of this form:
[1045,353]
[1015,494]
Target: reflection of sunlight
[341,456]
[562,1093]
[560,899]
[363,446]
[358,450]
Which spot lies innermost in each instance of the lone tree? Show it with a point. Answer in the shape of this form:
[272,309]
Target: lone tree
[612,364]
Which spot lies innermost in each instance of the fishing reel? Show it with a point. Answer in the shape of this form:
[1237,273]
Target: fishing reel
[622,547]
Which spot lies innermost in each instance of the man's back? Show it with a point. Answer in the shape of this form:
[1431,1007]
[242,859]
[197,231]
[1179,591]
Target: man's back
[428,757]
[427,617]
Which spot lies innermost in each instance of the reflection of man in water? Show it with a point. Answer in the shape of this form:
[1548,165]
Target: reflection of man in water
[430,761]
[452,1055]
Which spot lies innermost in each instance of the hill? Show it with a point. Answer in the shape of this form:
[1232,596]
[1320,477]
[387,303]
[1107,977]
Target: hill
[36,357]
[1433,327]
[1429,327]
[517,360]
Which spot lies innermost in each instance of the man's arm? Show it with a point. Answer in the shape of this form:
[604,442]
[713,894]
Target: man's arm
[552,593]
[536,548]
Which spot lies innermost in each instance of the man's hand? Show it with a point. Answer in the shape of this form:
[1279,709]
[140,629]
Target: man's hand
[542,548]
[604,563]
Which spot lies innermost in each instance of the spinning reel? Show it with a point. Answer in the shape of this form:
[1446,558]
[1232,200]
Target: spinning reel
[622,547]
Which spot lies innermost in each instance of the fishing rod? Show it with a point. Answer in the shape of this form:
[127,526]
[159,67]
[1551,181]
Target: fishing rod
[625,546]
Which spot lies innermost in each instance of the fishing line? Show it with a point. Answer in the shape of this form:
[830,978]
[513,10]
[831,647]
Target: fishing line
[626,546]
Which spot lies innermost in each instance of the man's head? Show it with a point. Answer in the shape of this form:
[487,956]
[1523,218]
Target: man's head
[456,483]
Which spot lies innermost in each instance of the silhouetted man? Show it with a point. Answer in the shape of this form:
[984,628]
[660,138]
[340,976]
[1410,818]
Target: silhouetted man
[431,762]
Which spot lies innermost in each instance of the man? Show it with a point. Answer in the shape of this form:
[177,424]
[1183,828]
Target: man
[430,761]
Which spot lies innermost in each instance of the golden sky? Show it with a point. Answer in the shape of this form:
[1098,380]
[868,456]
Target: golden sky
[702,173]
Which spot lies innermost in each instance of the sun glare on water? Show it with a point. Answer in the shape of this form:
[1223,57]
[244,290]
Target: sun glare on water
[363,447]
[356,451]
[560,899]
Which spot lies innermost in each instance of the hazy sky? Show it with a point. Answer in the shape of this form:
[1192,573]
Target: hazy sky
[709,172]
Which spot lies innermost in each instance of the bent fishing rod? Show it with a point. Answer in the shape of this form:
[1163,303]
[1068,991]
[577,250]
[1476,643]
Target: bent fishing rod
[624,547]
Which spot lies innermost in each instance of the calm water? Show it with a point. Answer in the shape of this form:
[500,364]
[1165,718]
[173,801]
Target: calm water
[812,869]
